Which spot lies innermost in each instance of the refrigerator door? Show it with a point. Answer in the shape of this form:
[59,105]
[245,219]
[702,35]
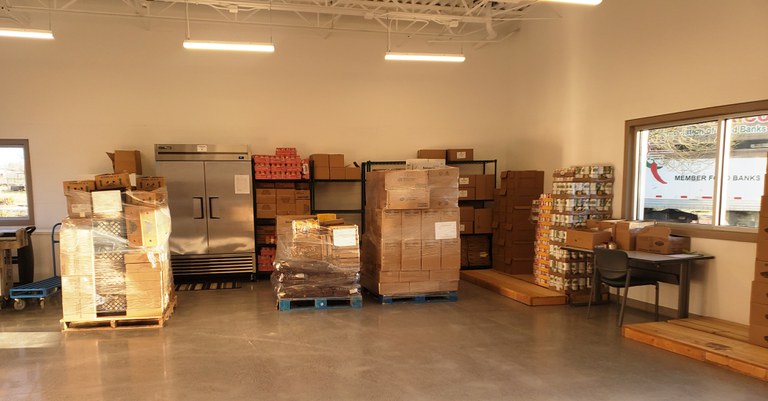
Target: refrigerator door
[187,202]
[230,207]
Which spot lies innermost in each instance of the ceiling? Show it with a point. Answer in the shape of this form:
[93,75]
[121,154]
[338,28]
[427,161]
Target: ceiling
[476,22]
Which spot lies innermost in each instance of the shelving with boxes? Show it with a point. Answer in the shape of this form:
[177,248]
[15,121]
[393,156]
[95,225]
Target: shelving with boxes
[336,187]
[281,187]
[514,232]
[579,194]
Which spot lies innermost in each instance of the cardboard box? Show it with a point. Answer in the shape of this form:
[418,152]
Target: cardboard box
[113,181]
[485,187]
[321,173]
[460,155]
[444,275]
[759,293]
[430,255]
[586,239]
[518,250]
[265,196]
[150,183]
[126,161]
[445,177]
[145,198]
[285,192]
[520,218]
[79,204]
[320,160]
[407,199]
[450,254]
[467,181]
[423,287]
[449,285]
[336,160]
[303,207]
[466,213]
[443,198]
[282,209]
[391,254]
[466,193]
[758,314]
[411,224]
[657,239]
[761,271]
[431,154]
[266,211]
[337,173]
[428,219]
[84,186]
[390,288]
[142,226]
[758,335]
[483,218]
[411,255]
[406,179]
[466,227]
[414,276]
[302,194]
[107,202]
[379,276]
[625,235]
[352,173]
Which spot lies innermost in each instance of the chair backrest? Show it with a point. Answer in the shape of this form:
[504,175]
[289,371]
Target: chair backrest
[611,263]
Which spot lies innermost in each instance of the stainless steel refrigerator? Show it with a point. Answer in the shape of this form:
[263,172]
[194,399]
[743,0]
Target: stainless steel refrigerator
[211,204]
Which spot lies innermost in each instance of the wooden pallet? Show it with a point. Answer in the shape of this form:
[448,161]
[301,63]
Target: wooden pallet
[451,296]
[705,339]
[513,287]
[288,304]
[120,322]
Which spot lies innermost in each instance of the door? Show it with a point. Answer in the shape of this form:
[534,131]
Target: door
[230,207]
[186,200]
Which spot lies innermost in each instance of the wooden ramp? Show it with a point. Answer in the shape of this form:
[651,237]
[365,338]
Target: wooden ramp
[516,287]
[705,339]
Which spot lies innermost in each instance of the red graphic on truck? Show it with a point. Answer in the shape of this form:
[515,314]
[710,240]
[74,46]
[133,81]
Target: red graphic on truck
[655,167]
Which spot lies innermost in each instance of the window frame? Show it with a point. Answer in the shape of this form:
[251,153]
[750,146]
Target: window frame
[30,220]
[632,127]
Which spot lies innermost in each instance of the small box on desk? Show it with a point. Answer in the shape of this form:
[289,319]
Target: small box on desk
[586,239]
[657,239]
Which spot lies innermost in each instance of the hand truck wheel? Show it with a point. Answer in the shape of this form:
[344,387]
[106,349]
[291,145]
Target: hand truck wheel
[19,304]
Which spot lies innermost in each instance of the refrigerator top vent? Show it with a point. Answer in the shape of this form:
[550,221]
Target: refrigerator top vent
[178,152]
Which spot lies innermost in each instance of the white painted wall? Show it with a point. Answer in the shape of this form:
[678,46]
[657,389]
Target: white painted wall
[582,77]
[556,94]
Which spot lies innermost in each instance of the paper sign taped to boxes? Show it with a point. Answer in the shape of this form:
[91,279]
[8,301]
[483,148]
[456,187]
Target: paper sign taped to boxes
[345,237]
[242,184]
[445,230]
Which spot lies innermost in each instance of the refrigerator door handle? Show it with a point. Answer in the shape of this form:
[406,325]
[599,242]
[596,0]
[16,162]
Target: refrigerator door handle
[198,211]
[210,207]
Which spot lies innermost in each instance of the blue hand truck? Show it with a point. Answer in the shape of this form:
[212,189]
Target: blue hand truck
[42,289]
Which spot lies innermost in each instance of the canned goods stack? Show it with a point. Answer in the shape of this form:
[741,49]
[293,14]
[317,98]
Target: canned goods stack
[543,210]
[579,194]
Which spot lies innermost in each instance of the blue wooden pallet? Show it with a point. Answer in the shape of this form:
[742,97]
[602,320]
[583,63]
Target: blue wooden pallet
[451,296]
[287,304]
[38,289]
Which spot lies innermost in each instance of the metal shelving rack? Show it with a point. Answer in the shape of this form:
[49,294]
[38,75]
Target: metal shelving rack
[486,166]
[313,191]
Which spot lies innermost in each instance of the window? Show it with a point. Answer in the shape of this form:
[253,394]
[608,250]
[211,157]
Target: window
[700,172]
[15,183]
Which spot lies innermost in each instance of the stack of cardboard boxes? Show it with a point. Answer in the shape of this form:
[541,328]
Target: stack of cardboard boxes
[542,209]
[333,167]
[411,244]
[513,231]
[281,199]
[285,164]
[314,261]
[758,315]
[114,249]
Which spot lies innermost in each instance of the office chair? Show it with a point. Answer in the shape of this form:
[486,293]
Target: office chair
[612,266]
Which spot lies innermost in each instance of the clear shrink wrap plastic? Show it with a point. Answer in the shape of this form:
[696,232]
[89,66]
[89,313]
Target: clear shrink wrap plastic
[313,261]
[115,261]
[411,243]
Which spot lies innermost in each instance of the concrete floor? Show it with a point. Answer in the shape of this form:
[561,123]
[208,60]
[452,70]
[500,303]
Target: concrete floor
[233,345]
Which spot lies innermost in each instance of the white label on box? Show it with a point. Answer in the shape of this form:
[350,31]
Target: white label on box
[445,230]
[462,228]
[463,193]
[202,148]
[242,184]
[132,179]
[461,155]
[463,180]
[107,202]
[345,237]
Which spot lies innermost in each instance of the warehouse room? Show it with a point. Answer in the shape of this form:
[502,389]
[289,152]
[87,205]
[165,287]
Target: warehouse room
[548,106]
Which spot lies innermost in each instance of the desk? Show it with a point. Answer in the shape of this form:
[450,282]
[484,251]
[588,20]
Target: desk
[672,269]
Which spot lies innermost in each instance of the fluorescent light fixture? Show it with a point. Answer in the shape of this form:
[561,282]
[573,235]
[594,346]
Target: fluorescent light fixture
[231,46]
[582,2]
[450,58]
[25,33]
